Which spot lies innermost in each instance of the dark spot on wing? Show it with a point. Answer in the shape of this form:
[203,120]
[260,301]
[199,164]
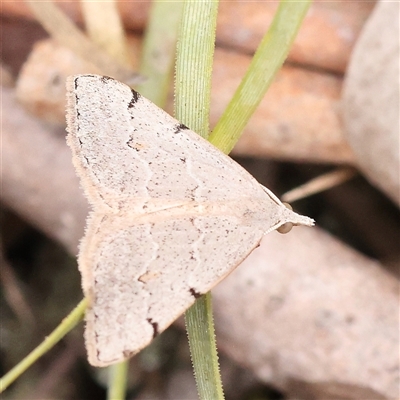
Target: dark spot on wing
[105,79]
[194,293]
[135,145]
[154,325]
[135,98]
[180,127]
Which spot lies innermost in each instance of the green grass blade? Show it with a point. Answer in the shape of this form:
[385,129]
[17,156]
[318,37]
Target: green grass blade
[117,380]
[66,325]
[194,65]
[192,104]
[159,48]
[265,64]
[200,329]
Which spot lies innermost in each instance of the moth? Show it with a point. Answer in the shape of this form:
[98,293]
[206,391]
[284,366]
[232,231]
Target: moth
[171,215]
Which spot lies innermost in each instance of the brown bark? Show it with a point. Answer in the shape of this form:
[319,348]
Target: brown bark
[297,120]
[324,41]
[38,180]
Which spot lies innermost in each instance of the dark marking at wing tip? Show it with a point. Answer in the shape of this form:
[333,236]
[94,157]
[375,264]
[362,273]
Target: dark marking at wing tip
[194,293]
[105,78]
[83,77]
[135,98]
[155,327]
[183,159]
[180,127]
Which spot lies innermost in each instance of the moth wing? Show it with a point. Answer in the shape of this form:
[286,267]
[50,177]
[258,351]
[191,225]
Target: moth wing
[129,151]
[139,277]
[172,215]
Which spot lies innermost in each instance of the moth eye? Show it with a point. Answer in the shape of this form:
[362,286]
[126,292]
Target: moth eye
[285,228]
